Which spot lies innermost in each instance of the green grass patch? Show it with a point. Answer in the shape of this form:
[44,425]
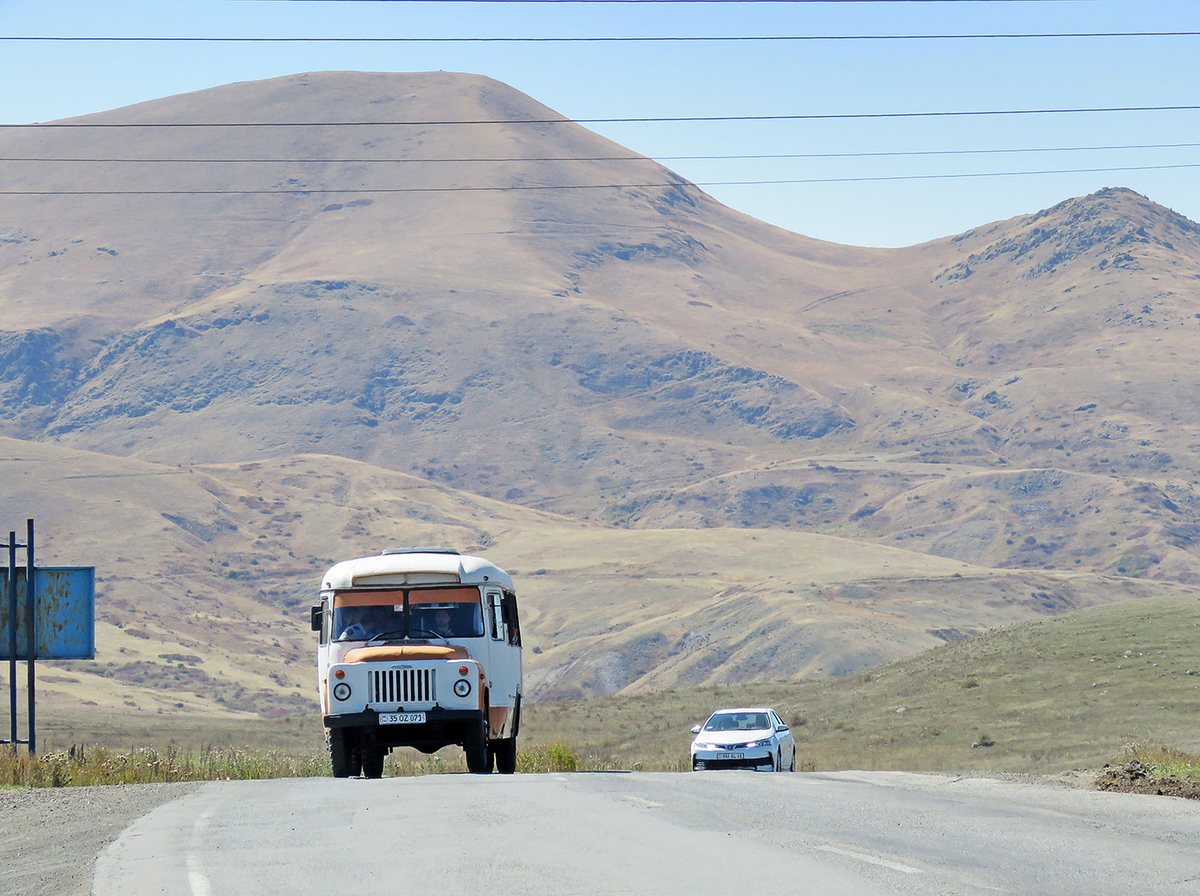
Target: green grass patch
[1164,762]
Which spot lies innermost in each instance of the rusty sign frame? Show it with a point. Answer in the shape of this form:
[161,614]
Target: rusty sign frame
[64,612]
[60,602]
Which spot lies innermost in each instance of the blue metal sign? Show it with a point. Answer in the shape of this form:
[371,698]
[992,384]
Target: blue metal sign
[64,604]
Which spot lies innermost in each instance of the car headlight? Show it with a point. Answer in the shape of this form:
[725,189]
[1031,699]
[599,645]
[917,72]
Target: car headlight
[703,746]
[462,688]
[341,691]
[765,742]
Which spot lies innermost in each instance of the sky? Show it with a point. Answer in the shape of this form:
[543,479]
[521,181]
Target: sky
[868,181]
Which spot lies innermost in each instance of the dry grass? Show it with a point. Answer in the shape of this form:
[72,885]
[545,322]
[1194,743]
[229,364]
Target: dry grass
[1063,693]
[81,766]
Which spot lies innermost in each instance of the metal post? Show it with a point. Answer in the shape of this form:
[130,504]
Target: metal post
[30,621]
[12,637]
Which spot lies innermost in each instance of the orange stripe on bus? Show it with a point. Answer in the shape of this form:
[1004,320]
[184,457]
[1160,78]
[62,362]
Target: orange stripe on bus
[396,598]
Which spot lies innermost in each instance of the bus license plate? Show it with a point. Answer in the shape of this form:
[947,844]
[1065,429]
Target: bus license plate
[402,718]
[731,755]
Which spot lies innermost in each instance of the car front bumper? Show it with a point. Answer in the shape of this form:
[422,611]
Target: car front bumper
[745,757]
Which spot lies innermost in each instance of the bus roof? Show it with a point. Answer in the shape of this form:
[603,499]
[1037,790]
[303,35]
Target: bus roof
[414,567]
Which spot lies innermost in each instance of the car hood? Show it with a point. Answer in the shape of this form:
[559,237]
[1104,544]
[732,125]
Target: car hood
[732,737]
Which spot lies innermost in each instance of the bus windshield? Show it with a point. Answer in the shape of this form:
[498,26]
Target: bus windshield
[424,613]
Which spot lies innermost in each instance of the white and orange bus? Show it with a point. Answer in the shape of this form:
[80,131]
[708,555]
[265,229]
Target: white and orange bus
[419,647]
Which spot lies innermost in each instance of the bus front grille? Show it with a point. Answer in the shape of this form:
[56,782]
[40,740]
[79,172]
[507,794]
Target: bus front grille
[401,686]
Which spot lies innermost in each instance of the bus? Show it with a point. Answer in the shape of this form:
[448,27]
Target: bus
[418,647]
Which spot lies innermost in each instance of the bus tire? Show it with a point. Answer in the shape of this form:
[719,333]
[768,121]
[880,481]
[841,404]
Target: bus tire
[475,746]
[372,761]
[505,751]
[345,755]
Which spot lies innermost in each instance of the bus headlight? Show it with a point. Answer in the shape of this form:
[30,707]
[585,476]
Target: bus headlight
[341,691]
[462,687]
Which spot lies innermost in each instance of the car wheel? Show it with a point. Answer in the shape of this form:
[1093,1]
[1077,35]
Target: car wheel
[793,768]
[777,762]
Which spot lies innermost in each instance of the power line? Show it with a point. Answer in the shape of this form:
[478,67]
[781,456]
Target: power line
[625,158]
[648,2]
[784,38]
[820,116]
[309,191]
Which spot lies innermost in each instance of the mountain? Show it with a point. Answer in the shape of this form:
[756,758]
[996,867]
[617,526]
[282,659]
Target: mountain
[206,572]
[773,456]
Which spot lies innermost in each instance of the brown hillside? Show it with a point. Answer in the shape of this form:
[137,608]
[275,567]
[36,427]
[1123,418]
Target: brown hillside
[206,574]
[827,455]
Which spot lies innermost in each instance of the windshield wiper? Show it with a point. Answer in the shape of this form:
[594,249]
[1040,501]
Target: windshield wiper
[429,631]
[399,633]
[382,636]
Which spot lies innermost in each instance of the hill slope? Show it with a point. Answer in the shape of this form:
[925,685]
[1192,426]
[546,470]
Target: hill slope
[207,572]
[1048,696]
[773,456]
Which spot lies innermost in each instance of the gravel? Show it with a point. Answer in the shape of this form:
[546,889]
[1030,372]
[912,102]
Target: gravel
[50,838]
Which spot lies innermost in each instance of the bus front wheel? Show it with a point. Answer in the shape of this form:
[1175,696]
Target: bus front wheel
[475,746]
[345,754]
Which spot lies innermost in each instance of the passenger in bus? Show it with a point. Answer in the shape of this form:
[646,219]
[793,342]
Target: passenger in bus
[458,621]
[361,623]
[443,622]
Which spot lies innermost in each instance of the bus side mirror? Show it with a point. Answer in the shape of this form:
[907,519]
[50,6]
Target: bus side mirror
[317,617]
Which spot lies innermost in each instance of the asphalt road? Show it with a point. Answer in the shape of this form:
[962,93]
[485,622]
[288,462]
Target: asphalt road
[624,833]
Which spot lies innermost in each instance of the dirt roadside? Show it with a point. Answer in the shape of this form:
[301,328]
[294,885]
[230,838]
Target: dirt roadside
[50,838]
[1134,777]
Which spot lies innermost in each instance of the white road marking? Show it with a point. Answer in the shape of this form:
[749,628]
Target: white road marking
[644,803]
[874,860]
[197,879]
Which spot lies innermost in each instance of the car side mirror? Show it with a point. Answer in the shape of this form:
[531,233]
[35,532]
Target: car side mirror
[695,729]
[781,727]
[317,618]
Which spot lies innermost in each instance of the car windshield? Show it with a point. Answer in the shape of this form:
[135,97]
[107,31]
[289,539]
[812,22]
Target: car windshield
[737,721]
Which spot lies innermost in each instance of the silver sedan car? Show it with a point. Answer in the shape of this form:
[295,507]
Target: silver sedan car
[751,737]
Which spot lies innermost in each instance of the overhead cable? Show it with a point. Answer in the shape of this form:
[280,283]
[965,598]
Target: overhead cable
[728,157]
[818,116]
[306,191]
[784,38]
[647,2]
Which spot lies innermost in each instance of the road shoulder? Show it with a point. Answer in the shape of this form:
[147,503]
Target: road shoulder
[50,838]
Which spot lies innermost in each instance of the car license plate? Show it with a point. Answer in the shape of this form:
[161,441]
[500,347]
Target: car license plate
[402,718]
[731,755]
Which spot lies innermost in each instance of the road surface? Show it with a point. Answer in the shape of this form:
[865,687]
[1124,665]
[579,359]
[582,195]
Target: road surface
[602,834]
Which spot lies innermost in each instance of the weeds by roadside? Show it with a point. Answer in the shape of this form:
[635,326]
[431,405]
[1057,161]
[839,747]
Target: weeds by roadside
[1147,768]
[84,766]
[1166,761]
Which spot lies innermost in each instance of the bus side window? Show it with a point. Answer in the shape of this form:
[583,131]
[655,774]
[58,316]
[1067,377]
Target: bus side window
[496,612]
[509,608]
